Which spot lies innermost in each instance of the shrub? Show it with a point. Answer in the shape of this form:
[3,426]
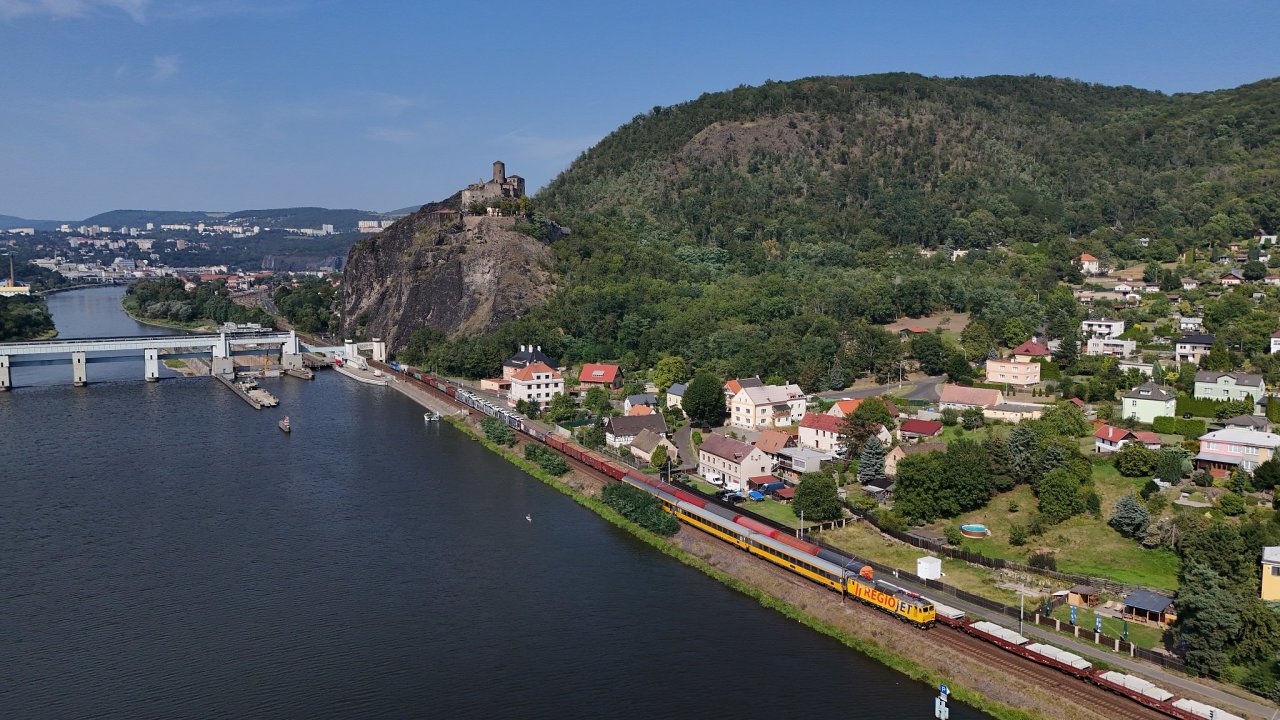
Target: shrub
[1190,427]
[1017,535]
[1202,478]
[1043,561]
[1013,506]
[954,536]
[1231,504]
[498,432]
[1157,503]
[1130,518]
[546,458]
[640,508]
[1165,425]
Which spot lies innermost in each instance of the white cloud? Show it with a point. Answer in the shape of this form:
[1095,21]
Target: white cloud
[10,9]
[164,67]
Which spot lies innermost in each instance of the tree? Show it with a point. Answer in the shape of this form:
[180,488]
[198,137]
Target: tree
[1151,272]
[958,369]
[704,400]
[917,486]
[931,353]
[999,462]
[1267,475]
[561,408]
[817,497]
[596,400]
[1068,351]
[1130,518]
[669,371]
[967,485]
[871,461]
[874,410]
[1024,447]
[1135,460]
[1254,271]
[1065,419]
[972,418]
[1209,617]
[1060,496]
[1218,358]
[1231,504]
[1169,466]
[1015,332]
[854,431]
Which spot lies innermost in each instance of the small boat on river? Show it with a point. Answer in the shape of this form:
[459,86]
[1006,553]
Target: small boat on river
[284,425]
[430,416]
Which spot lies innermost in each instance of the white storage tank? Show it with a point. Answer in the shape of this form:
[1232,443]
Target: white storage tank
[929,568]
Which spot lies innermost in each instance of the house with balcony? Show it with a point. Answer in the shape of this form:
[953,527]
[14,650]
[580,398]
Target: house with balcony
[535,383]
[1149,401]
[728,462]
[1110,347]
[767,406]
[1106,329]
[1190,324]
[1223,450]
[1191,347]
[1030,351]
[1211,385]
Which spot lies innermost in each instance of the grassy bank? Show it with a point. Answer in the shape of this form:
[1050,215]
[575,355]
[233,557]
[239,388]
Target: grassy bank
[203,324]
[898,662]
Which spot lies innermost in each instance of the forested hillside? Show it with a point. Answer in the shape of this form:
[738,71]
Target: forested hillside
[755,230]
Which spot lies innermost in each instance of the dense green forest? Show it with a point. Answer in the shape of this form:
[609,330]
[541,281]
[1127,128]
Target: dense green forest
[168,300]
[306,305]
[24,318]
[756,230]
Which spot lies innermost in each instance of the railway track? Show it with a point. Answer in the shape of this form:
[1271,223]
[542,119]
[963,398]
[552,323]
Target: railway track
[1107,703]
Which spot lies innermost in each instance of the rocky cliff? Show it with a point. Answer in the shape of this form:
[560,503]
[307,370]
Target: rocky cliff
[432,269]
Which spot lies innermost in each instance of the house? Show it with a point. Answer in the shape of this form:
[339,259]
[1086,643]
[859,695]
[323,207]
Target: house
[959,397]
[1090,265]
[1147,369]
[1190,324]
[796,461]
[1211,385]
[640,410]
[772,441]
[675,395]
[1191,347]
[647,442]
[622,431]
[1109,439]
[1275,341]
[1228,448]
[528,355]
[1013,372]
[535,383]
[1271,573]
[643,399]
[1013,412]
[725,461]
[1149,401]
[915,430]
[600,375]
[733,387]
[821,432]
[1148,607]
[1231,278]
[895,455]
[1271,280]
[1123,288]
[1149,440]
[1030,351]
[1113,348]
[1190,283]
[1251,422]
[767,406]
[845,408]
[1102,328]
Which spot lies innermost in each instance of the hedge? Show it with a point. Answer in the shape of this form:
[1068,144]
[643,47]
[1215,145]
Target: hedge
[1200,407]
[1187,428]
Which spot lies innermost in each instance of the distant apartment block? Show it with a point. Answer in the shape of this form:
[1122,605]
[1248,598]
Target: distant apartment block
[1013,372]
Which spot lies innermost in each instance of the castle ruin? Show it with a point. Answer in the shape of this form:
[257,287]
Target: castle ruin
[501,186]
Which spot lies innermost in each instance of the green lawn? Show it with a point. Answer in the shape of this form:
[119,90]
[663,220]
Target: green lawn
[175,364]
[1139,634]
[1083,545]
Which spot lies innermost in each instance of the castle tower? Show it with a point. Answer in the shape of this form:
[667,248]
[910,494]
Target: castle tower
[499,172]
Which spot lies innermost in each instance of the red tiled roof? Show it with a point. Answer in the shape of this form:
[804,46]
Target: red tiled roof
[1032,348]
[1077,402]
[1086,257]
[921,427]
[1112,434]
[1147,438]
[640,410]
[821,421]
[525,373]
[771,441]
[598,373]
[961,395]
[848,406]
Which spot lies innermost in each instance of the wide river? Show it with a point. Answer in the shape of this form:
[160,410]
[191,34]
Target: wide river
[166,552]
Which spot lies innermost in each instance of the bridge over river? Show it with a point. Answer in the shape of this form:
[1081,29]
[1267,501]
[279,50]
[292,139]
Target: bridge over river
[219,349]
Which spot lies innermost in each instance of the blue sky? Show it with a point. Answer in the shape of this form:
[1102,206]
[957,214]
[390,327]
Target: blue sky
[236,104]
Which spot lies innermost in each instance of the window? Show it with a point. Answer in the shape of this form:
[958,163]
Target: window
[1275,571]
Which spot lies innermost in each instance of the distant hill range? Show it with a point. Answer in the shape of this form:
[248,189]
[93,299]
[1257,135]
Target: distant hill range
[13,221]
[297,217]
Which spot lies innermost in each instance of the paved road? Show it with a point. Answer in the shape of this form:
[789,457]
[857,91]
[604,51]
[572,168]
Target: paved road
[927,389]
[1175,683]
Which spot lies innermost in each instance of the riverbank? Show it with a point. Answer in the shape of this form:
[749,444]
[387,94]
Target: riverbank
[874,634]
[194,326]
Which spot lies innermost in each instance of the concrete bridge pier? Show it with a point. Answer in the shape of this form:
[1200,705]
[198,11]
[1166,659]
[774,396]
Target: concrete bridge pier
[151,364]
[223,365]
[79,370]
[291,361]
[5,381]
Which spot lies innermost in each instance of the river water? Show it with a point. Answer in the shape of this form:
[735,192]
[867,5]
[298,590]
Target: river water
[166,552]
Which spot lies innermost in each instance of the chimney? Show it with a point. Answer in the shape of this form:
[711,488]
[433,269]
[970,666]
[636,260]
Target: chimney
[539,348]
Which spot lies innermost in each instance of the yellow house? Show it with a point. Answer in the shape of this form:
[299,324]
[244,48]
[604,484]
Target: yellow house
[1271,573]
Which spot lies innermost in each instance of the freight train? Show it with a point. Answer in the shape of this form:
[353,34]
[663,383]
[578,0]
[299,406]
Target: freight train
[833,570]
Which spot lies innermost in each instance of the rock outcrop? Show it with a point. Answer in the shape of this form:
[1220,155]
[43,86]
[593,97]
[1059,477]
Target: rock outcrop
[435,268]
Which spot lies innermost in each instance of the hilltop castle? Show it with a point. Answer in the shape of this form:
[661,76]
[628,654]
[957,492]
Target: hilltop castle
[501,186]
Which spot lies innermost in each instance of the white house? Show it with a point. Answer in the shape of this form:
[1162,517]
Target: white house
[821,432]
[1113,348]
[1102,328]
[1212,385]
[730,462]
[1190,324]
[1149,401]
[1275,341]
[535,383]
[622,430]
[767,406]
[1090,265]
[1190,283]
